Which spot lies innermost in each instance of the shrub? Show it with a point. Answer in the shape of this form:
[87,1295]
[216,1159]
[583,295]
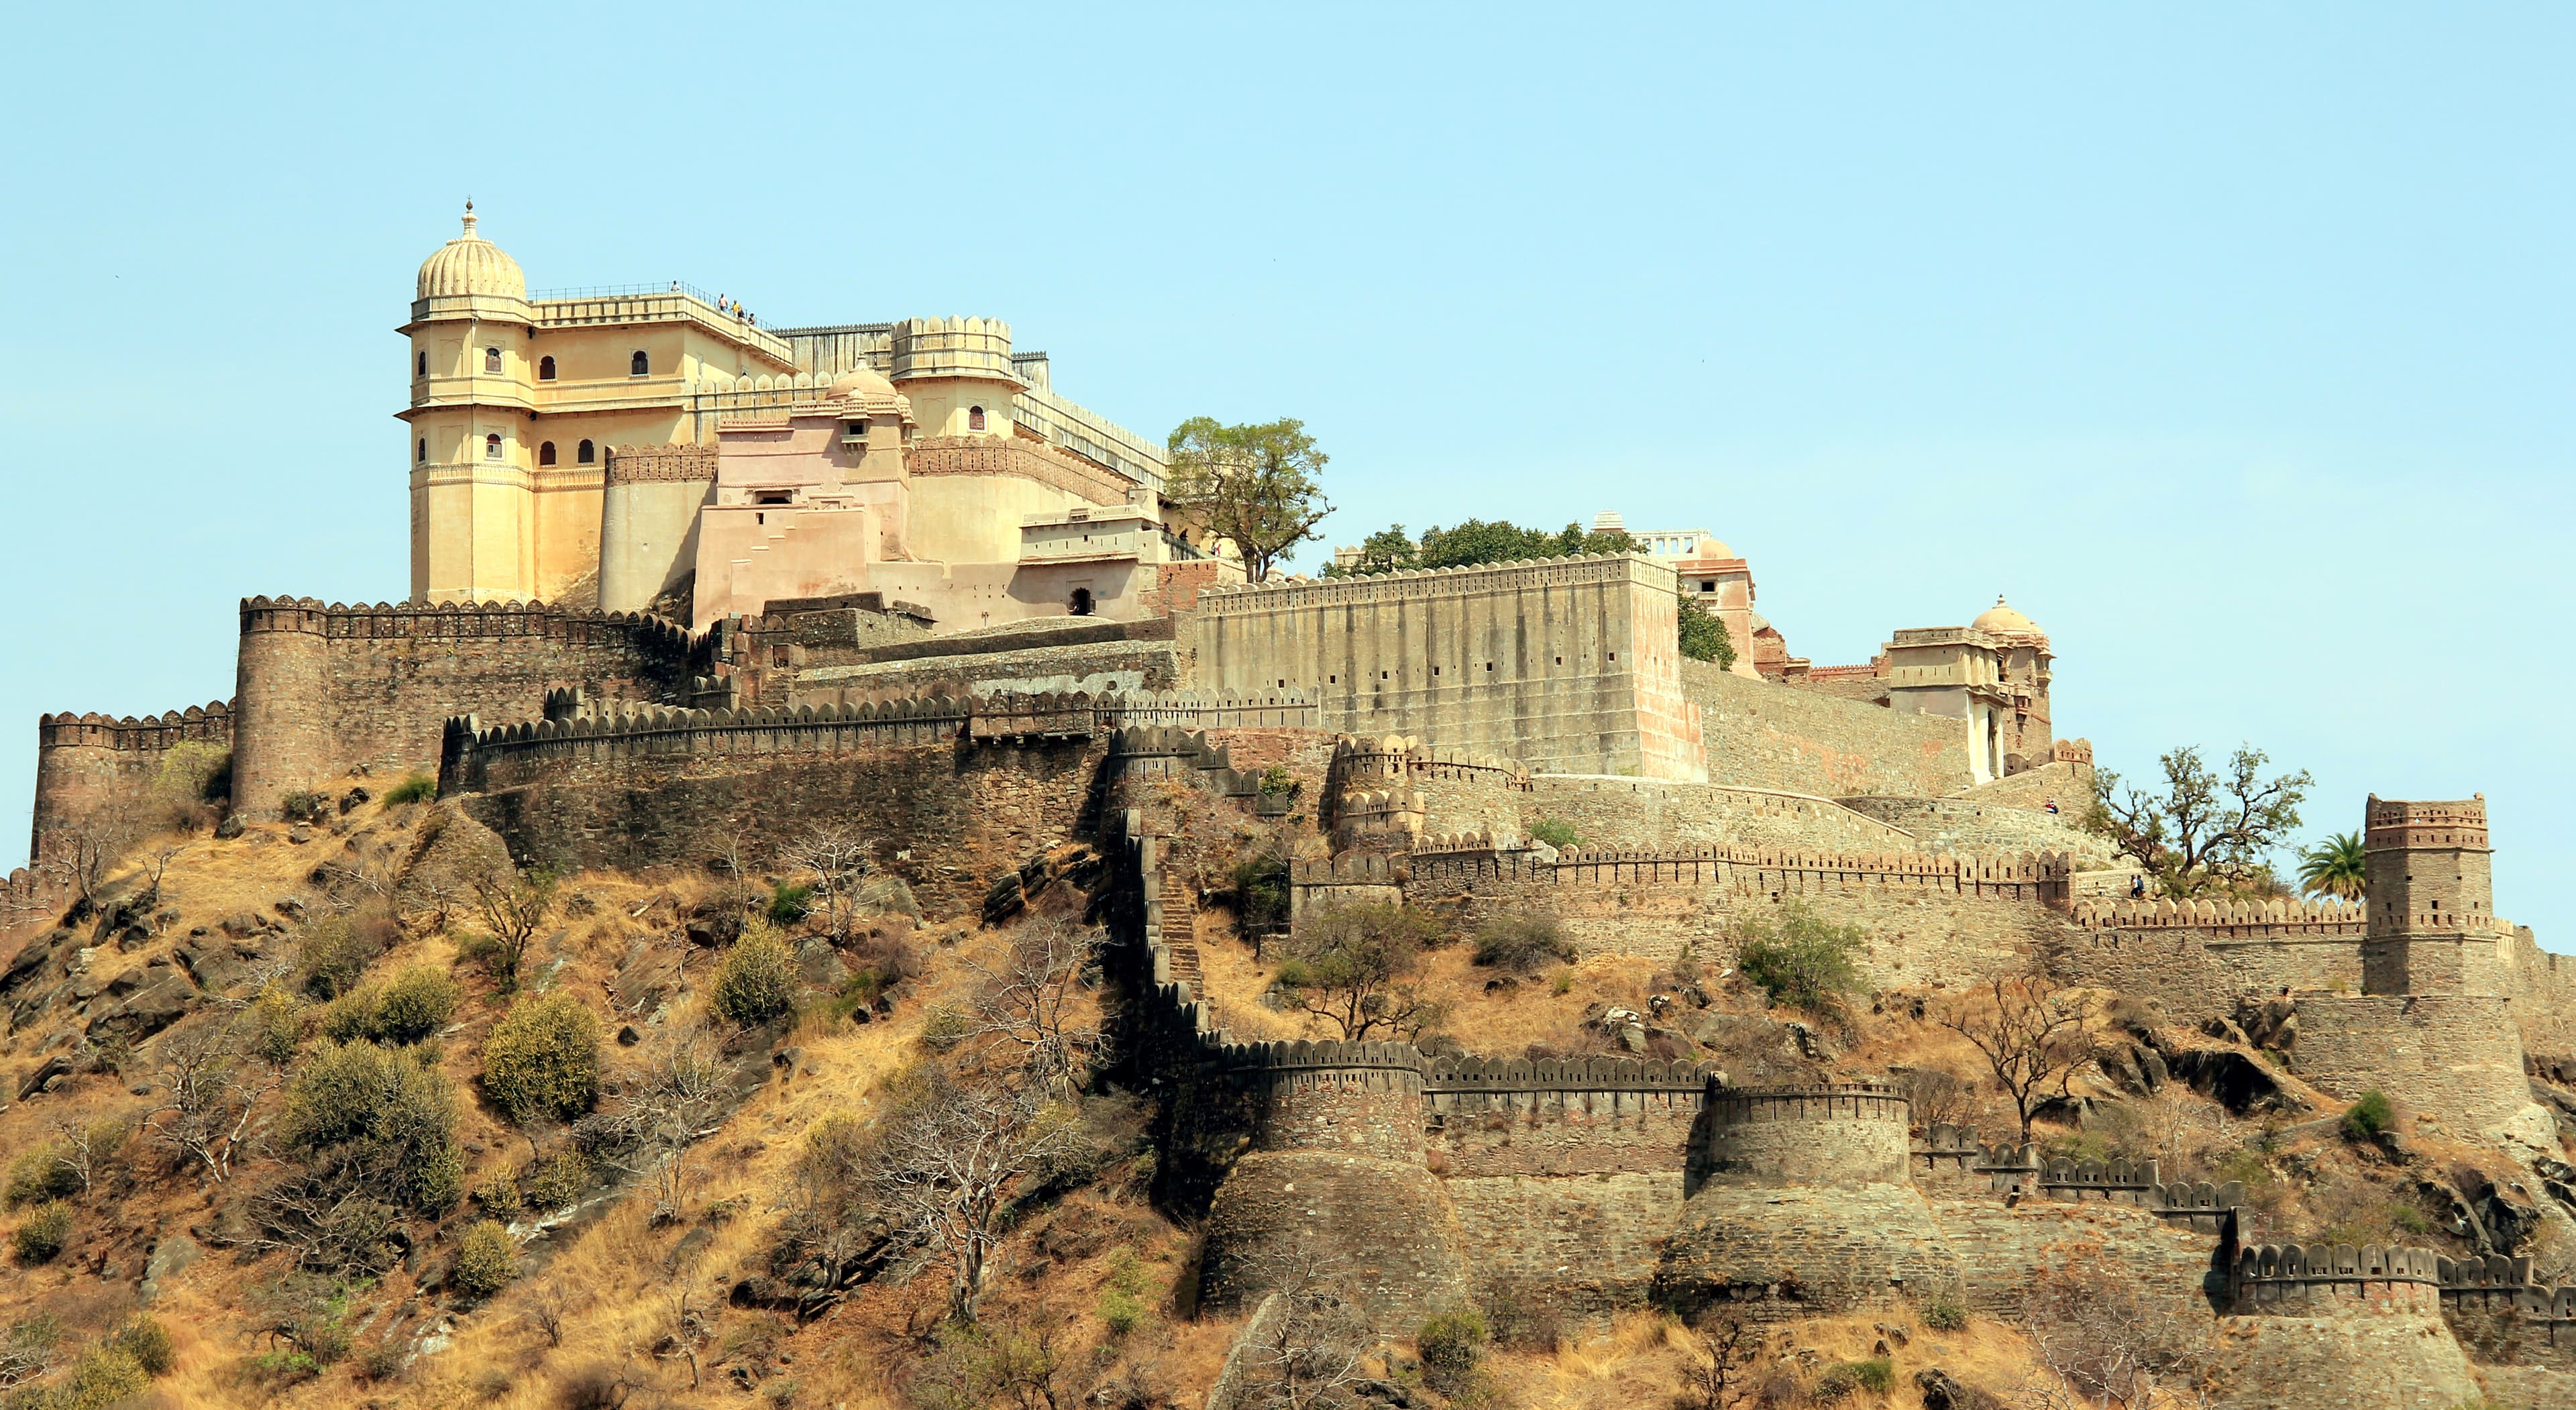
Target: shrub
[389,1112]
[1261,890]
[1944,1313]
[417,788]
[499,1194]
[305,806]
[1555,832]
[559,1180]
[1452,1345]
[1876,1375]
[1120,1311]
[105,1375]
[1522,942]
[1277,782]
[276,1025]
[43,1174]
[335,950]
[417,1003]
[2365,1119]
[487,1259]
[42,1234]
[756,979]
[148,1342]
[1802,960]
[542,1059]
[789,904]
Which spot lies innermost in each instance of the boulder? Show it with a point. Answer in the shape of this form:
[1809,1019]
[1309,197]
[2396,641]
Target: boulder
[59,1065]
[1942,1391]
[148,1011]
[2230,1078]
[217,966]
[170,1256]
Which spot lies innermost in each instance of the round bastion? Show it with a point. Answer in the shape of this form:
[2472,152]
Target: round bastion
[1799,1203]
[1335,1183]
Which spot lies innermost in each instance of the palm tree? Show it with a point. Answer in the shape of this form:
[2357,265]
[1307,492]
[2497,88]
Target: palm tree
[2335,867]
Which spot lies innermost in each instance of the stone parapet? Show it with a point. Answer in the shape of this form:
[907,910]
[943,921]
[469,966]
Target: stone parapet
[2040,877]
[2226,920]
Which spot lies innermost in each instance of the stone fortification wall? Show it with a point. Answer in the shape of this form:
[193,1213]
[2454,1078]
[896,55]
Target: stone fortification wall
[325,688]
[2542,985]
[1800,1204]
[1927,917]
[2329,1328]
[2066,781]
[679,787]
[1977,825]
[2197,958]
[95,773]
[1622,813]
[933,456]
[1390,790]
[2456,1057]
[1566,664]
[1765,735]
[1105,657]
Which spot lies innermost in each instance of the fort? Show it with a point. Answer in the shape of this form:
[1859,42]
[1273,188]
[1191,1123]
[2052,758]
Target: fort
[683,584]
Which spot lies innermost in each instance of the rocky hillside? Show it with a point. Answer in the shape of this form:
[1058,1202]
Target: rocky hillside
[353,1112]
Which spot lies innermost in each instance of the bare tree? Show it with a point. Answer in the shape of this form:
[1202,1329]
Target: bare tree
[688,1324]
[941,1167]
[1718,1367]
[1355,964]
[155,865]
[80,855]
[1030,1006]
[206,1098]
[839,861]
[514,908]
[1937,1096]
[2034,1035]
[1304,1350]
[2111,1343]
[652,1131]
[548,1306]
[81,1146]
[29,1350]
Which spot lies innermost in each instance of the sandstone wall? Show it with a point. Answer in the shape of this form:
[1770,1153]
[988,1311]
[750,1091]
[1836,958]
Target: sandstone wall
[1977,825]
[700,790]
[2006,1249]
[1115,661]
[323,689]
[96,774]
[1639,813]
[2066,783]
[2382,1347]
[1566,664]
[2455,1057]
[1927,918]
[1764,735]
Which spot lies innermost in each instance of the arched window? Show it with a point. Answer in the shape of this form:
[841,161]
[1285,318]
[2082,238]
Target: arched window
[492,446]
[1081,604]
[420,363]
[639,364]
[422,455]
[546,453]
[585,454]
[545,369]
[492,362]
[975,422]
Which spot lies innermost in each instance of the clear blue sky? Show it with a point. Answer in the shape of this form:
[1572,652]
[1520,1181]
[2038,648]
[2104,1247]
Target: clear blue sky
[2232,342]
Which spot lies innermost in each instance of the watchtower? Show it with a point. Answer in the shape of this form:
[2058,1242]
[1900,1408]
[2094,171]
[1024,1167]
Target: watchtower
[2432,927]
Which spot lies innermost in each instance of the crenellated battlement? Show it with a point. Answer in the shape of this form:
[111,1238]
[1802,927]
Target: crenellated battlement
[2027,876]
[1403,759]
[2396,822]
[2234,920]
[461,620]
[211,722]
[1428,582]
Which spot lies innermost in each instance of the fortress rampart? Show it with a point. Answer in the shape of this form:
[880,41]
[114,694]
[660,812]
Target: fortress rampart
[1763,735]
[1387,792]
[100,771]
[1621,814]
[324,689]
[1568,664]
[1927,916]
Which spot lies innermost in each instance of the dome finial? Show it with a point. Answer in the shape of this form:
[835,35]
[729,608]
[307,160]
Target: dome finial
[469,219]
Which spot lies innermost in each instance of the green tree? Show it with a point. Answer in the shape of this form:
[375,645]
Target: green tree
[1252,485]
[1802,960]
[2335,867]
[1388,550]
[1353,964]
[1703,636]
[2204,831]
[383,1117]
[542,1059]
[1479,541]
